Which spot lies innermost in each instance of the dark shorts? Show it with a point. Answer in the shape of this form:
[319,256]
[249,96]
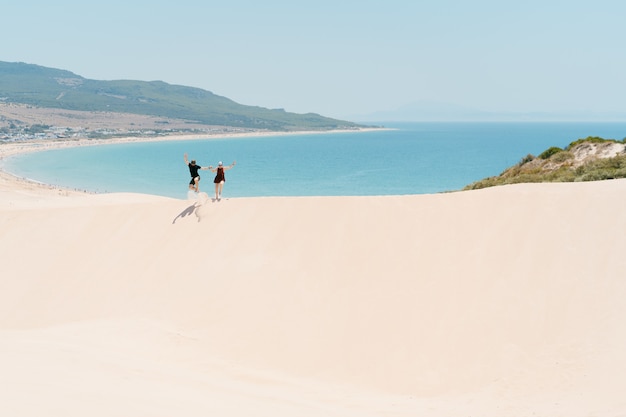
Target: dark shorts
[193,180]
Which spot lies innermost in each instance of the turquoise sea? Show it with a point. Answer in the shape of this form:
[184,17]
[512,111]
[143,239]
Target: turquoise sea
[413,158]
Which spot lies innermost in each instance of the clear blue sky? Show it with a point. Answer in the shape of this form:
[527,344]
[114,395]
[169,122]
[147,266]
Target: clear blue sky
[340,57]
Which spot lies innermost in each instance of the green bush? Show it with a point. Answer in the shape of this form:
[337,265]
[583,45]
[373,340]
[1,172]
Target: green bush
[526,160]
[595,176]
[549,152]
[561,157]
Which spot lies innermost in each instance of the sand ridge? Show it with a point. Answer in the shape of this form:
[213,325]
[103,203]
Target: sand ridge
[505,301]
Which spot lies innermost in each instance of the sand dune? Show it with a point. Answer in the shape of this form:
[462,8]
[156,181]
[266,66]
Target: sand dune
[499,302]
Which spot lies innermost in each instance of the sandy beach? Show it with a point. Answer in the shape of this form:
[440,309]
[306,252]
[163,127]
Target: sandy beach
[506,301]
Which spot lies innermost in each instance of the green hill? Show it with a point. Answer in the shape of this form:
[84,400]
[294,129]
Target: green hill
[54,88]
[589,159]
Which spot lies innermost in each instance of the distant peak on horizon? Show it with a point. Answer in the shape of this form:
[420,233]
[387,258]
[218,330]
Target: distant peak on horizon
[436,111]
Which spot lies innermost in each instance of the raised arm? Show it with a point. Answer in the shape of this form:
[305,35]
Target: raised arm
[230,166]
[186,160]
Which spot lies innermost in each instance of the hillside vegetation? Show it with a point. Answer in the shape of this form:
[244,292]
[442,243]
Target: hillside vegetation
[588,159]
[54,88]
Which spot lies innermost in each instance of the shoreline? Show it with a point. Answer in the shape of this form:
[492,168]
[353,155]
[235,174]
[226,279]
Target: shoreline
[9,180]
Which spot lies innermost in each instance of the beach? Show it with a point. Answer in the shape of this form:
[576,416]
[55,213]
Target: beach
[506,301]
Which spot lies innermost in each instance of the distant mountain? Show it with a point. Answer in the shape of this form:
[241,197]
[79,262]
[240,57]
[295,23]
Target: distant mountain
[55,88]
[433,111]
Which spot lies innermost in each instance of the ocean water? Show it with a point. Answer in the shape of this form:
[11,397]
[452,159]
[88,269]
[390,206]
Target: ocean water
[413,158]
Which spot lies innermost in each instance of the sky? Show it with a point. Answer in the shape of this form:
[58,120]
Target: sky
[340,58]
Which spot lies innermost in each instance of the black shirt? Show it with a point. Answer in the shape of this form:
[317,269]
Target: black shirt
[193,170]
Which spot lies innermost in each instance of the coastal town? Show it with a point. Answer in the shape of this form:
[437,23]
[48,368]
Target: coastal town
[15,133]
[20,122]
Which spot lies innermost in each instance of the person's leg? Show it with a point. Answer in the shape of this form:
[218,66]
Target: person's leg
[217,191]
[196,183]
[221,188]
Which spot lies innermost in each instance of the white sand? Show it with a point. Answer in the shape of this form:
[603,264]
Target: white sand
[501,302]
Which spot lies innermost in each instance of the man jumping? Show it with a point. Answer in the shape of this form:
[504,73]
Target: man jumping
[194,184]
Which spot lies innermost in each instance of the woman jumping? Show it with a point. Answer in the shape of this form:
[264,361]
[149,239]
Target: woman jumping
[220,178]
